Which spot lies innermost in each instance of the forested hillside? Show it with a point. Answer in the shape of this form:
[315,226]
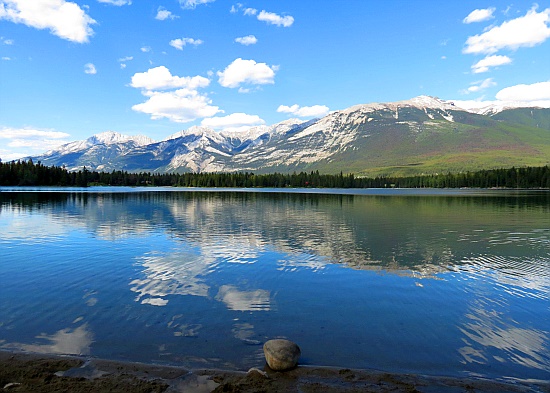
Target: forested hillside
[27,173]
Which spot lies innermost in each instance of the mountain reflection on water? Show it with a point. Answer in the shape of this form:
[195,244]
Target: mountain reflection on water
[430,284]
[420,234]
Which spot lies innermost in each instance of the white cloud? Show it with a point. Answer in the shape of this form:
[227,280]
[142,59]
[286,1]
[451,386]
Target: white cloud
[163,14]
[478,86]
[89,68]
[116,2]
[23,142]
[274,19]
[179,43]
[250,11]
[160,78]
[232,122]
[305,111]
[30,133]
[535,92]
[246,71]
[490,61]
[247,40]
[64,19]
[145,49]
[479,15]
[190,4]
[181,106]
[123,61]
[7,41]
[525,31]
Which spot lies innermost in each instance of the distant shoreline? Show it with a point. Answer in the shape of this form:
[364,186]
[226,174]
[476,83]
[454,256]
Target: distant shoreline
[311,190]
[27,173]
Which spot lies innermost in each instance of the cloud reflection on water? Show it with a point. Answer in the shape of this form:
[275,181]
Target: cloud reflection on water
[234,299]
[171,274]
[490,334]
[66,341]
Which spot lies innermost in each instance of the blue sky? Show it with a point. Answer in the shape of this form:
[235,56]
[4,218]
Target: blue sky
[71,69]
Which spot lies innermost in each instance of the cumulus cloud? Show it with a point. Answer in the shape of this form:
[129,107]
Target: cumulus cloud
[179,43]
[180,106]
[145,49]
[525,31]
[305,111]
[116,2]
[191,4]
[246,71]
[490,61]
[479,15]
[528,93]
[163,14]
[247,40]
[265,16]
[478,86]
[274,19]
[233,122]
[23,142]
[64,19]
[6,41]
[89,68]
[160,78]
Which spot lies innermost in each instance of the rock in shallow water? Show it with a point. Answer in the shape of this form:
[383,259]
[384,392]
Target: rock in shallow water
[281,354]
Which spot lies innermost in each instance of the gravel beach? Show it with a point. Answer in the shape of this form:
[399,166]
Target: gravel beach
[24,372]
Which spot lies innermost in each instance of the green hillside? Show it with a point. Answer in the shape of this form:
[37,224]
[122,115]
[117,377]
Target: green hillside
[533,117]
[471,143]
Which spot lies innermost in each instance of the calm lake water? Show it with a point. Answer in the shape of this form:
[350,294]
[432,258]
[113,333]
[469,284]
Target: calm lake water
[448,282]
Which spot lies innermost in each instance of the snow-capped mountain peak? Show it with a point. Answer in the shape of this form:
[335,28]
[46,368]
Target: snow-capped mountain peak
[194,130]
[110,137]
[428,102]
[355,138]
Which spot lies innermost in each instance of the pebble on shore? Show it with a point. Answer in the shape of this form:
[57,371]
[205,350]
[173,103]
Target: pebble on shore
[281,354]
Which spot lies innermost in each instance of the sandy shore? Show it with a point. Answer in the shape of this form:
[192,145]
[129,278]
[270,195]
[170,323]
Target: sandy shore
[20,372]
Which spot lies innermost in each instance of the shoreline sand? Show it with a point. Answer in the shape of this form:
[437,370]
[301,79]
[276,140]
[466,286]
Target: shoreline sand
[27,372]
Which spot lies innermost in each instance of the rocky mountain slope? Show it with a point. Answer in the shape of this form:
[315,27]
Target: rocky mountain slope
[421,135]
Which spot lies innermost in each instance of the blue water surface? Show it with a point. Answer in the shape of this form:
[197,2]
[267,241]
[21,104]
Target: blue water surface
[440,282]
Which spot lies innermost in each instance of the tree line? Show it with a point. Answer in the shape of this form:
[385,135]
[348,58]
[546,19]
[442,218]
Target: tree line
[28,173]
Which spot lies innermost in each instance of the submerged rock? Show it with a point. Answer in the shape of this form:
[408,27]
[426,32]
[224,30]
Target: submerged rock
[281,354]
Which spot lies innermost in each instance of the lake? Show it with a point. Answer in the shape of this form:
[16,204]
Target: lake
[439,282]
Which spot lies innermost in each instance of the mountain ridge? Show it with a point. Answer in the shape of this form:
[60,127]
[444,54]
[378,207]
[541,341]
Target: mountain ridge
[421,135]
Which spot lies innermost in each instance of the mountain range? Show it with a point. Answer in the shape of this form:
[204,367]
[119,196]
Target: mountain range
[422,135]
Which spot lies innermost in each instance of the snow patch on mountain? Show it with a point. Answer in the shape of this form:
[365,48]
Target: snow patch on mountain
[111,137]
[104,138]
[494,107]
